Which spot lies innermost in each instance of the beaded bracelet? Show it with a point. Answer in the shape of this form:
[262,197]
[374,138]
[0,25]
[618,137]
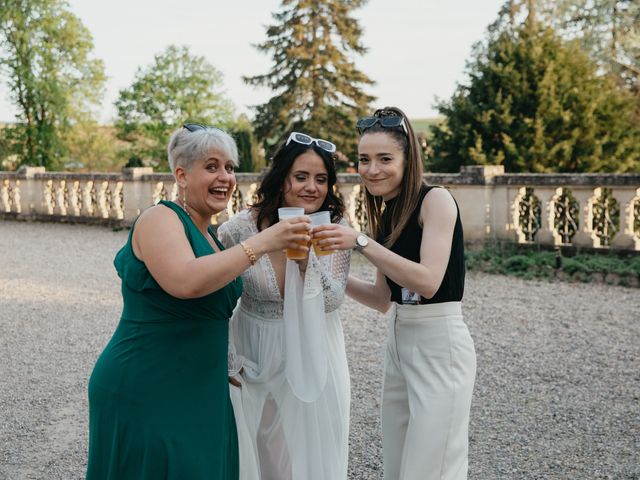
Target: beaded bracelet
[249,252]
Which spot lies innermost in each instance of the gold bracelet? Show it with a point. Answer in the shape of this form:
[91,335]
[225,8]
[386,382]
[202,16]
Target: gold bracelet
[249,252]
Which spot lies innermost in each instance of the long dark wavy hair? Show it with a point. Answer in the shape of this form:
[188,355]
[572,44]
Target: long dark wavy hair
[270,193]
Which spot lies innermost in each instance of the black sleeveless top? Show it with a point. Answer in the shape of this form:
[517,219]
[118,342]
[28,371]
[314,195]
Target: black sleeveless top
[408,246]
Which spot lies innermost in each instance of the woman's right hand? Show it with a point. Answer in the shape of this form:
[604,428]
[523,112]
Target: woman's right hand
[335,237]
[292,233]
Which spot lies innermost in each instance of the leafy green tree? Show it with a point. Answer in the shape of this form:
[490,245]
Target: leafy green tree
[92,147]
[317,87]
[609,30]
[8,159]
[177,87]
[45,55]
[535,103]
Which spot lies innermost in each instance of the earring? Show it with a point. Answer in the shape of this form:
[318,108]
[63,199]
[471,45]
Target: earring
[184,201]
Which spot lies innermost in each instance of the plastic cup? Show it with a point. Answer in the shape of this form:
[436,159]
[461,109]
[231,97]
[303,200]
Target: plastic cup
[289,212]
[320,218]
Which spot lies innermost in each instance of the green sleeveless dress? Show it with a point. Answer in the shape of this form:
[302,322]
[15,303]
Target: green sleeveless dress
[159,405]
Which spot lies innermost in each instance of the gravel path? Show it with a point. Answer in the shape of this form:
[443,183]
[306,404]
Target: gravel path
[557,393]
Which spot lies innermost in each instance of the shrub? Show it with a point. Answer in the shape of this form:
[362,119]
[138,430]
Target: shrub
[508,259]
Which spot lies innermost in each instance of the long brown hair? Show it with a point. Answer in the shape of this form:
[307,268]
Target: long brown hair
[412,178]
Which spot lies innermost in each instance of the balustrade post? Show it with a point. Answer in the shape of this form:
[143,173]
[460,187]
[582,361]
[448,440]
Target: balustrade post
[137,192]
[626,237]
[74,198]
[584,236]
[476,202]
[546,235]
[31,190]
[5,203]
[513,197]
[348,193]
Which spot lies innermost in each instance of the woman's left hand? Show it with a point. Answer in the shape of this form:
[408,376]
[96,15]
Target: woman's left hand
[334,237]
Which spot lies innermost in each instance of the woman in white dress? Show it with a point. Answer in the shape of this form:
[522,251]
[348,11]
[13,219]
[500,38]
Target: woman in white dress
[292,408]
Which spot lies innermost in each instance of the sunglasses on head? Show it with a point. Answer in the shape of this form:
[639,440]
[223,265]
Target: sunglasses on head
[304,139]
[366,123]
[194,127]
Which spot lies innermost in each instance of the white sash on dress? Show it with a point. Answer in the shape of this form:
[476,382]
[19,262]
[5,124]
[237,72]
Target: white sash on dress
[305,332]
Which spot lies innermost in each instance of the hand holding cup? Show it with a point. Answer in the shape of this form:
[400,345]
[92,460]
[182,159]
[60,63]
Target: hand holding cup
[317,219]
[291,213]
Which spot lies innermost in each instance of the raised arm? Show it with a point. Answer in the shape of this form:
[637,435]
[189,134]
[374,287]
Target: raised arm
[438,215]
[160,242]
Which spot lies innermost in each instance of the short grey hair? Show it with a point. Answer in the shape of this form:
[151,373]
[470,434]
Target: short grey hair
[185,147]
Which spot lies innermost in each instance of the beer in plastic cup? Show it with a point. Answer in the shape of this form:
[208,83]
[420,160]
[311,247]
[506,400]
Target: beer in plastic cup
[289,212]
[320,218]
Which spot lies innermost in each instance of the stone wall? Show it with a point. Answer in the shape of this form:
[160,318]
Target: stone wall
[583,210]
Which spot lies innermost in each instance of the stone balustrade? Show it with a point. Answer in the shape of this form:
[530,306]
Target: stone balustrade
[583,210]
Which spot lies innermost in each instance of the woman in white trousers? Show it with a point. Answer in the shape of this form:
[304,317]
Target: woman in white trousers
[416,243]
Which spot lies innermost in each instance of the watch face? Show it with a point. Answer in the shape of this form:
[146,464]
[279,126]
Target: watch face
[362,241]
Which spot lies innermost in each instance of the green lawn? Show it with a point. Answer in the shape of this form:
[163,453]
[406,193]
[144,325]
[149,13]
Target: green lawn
[423,125]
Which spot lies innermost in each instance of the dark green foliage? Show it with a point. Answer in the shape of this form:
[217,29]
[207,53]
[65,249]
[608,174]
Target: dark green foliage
[250,155]
[177,88]
[605,264]
[518,264]
[245,154]
[509,259]
[573,265]
[134,161]
[45,54]
[535,103]
[317,87]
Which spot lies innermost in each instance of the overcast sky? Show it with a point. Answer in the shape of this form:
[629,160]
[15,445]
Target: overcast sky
[417,48]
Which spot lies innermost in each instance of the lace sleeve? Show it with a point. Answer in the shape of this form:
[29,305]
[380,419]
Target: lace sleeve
[334,271]
[235,362]
[228,234]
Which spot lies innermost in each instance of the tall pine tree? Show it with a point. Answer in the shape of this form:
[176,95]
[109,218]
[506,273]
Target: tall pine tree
[535,103]
[317,87]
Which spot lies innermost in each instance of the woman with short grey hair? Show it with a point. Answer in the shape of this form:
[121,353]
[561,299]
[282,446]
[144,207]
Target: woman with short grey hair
[159,402]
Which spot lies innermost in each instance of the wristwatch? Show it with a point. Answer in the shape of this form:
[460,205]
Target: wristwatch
[361,241]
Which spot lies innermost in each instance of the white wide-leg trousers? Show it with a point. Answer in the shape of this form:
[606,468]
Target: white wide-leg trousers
[430,368]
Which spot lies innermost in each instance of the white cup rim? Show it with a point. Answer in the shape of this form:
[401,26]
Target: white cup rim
[319,217]
[288,212]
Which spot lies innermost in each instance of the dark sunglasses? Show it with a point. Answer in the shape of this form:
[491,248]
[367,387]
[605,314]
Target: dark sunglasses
[194,127]
[366,123]
[305,139]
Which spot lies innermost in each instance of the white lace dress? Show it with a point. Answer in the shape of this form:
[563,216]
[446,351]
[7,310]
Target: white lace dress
[292,411]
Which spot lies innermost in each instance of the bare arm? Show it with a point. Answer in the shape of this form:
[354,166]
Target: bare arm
[374,295]
[159,241]
[438,214]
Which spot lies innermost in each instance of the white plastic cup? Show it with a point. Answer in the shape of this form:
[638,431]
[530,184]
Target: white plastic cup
[290,212]
[317,219]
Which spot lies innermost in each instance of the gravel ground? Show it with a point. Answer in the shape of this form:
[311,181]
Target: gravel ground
[557,393]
